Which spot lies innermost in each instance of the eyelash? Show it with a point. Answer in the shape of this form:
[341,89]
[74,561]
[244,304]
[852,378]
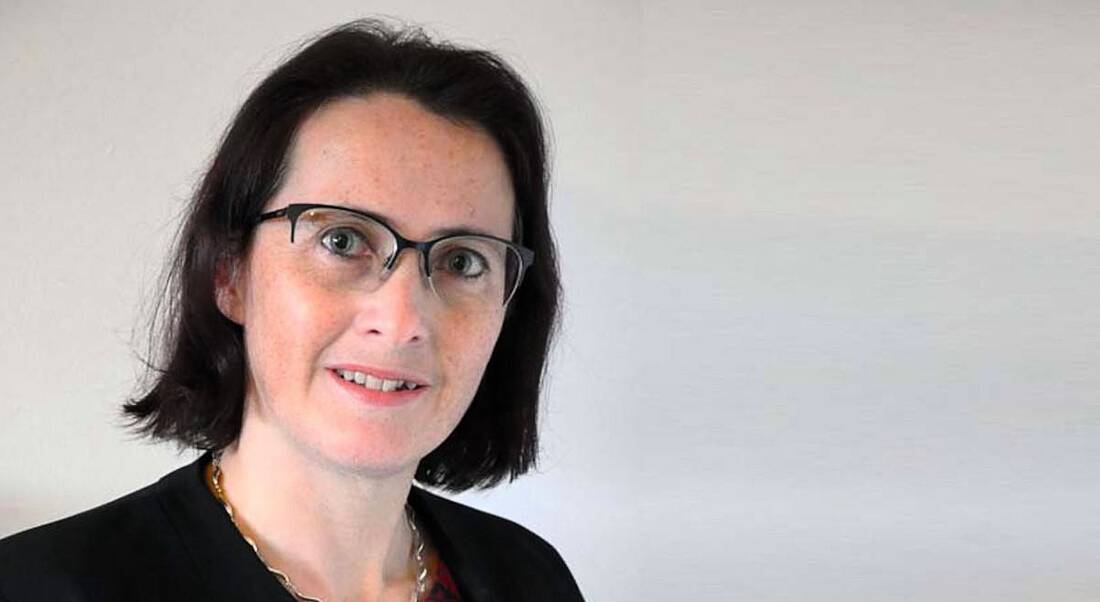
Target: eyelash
[325,240]
[358,237]
[479,260]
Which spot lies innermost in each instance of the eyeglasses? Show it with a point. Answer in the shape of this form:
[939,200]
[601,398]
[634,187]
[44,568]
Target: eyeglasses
[344,248]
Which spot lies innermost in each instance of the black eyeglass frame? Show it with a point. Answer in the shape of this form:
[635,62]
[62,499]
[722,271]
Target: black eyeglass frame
[294,210]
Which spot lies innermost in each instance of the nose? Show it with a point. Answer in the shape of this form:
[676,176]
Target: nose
[399,310]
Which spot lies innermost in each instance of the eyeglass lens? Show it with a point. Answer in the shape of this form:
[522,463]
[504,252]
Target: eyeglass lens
[342,250]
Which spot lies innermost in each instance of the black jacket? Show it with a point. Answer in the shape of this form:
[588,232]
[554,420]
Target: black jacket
[172,541]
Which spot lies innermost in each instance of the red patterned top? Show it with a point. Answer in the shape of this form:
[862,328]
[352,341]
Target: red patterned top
[443,588]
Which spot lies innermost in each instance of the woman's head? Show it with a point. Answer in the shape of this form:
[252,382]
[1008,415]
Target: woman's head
[432,139]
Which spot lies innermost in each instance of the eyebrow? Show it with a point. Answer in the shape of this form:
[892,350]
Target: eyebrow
[459,230]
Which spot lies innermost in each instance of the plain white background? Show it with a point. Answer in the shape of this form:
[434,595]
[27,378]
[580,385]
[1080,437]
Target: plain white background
[832,277]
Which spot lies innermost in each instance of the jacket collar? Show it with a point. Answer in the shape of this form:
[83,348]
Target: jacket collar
[460,545]
[231,570]
[223,560]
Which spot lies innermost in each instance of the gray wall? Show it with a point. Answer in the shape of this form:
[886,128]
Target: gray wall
[832,272]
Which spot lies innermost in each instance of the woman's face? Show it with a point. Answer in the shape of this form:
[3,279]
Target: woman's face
[424,174]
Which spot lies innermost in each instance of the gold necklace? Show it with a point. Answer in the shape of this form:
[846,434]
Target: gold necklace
[284,580]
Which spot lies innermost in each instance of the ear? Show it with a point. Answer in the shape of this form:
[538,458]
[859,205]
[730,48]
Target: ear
[229,290]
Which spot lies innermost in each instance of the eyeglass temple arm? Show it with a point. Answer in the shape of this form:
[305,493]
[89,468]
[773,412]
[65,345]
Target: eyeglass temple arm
[263,217]
[285,211]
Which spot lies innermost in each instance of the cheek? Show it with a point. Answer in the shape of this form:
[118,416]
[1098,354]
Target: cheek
[467,351]
[286,328]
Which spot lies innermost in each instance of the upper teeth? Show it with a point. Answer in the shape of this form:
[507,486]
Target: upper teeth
[373,382]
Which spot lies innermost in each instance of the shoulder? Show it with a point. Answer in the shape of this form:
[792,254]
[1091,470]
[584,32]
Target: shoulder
[493,529]
[70,539]
[479,541]
[89,555]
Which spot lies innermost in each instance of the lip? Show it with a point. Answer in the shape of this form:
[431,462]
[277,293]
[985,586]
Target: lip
[381,373]
[376,398]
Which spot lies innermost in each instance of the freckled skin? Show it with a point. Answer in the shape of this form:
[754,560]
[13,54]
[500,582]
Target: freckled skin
[387,154]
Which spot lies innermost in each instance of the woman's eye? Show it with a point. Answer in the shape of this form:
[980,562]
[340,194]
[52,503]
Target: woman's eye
[344,242]
[465,263]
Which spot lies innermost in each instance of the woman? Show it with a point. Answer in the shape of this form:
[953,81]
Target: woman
[363,294]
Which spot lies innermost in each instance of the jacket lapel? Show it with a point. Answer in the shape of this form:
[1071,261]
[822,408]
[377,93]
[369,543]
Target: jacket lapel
[220,556]
[231,571]
[460,545]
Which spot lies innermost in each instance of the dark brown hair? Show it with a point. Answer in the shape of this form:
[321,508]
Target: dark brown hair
[196,385]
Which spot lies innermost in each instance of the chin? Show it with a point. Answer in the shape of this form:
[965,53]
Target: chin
[368,453]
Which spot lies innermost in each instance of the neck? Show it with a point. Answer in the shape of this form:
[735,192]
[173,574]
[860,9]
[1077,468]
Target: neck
[337,534]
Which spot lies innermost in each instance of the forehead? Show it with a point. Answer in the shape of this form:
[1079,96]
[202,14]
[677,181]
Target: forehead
[386,154]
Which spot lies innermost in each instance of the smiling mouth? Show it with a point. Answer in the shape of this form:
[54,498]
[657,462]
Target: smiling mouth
[374,383]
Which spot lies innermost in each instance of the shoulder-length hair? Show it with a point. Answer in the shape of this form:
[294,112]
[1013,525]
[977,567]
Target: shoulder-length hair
[195,392]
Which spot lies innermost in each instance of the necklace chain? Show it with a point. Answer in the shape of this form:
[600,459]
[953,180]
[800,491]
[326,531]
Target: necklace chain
[284,579]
